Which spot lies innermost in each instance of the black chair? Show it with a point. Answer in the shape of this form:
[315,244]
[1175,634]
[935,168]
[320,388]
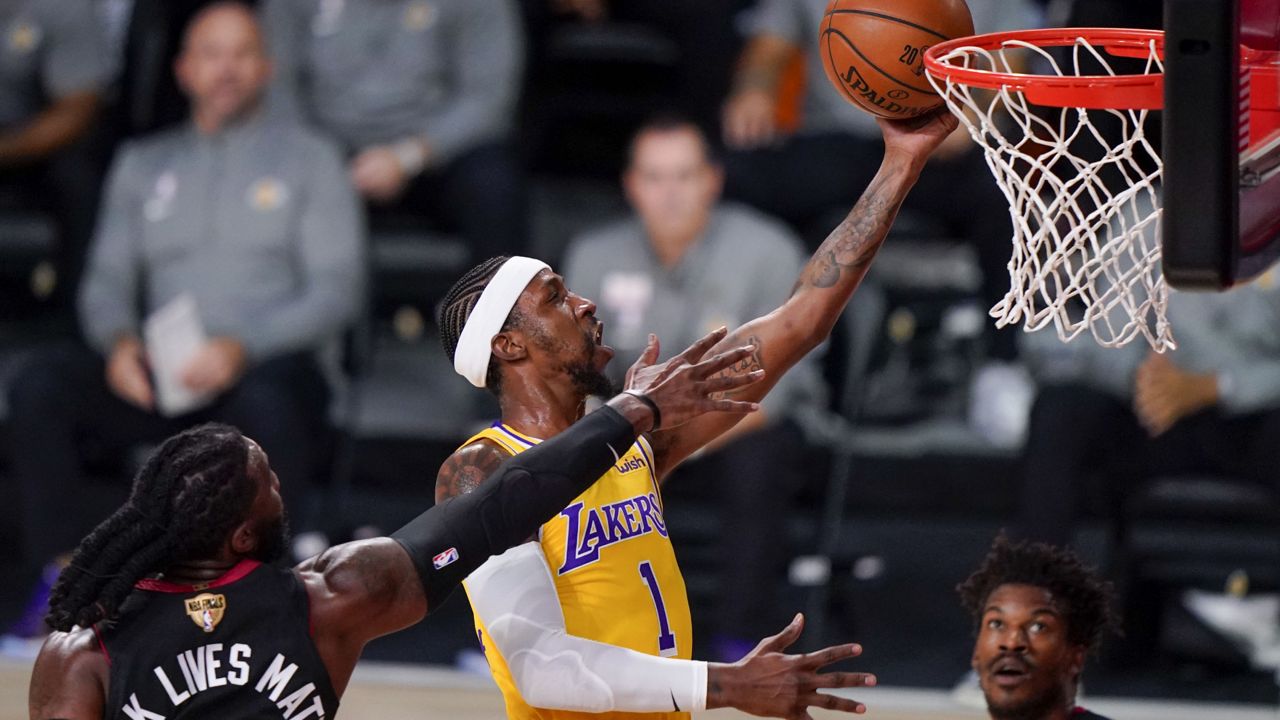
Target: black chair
[1179,532]
[596,82]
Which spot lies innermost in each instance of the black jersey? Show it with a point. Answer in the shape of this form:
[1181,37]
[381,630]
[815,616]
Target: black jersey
[1080,713]
[238,647]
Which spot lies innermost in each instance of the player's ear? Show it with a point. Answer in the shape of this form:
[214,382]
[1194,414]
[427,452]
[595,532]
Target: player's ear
[1078,654]
[244,539]
[509,346]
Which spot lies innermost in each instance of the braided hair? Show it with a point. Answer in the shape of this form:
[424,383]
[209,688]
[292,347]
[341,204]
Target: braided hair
[457,306]
[1083,597]
[185,501]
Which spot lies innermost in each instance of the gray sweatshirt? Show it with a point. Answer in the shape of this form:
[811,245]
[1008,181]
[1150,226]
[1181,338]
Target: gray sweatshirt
[258,222]
[373,72]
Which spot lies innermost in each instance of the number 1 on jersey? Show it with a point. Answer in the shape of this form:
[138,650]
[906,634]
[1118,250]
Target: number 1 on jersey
[666,639]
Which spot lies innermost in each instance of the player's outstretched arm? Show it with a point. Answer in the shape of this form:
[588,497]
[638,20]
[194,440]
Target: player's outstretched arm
[826,282]
[515,596]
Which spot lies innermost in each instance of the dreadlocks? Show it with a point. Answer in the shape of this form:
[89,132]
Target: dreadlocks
[1083,598]
[185,500]
[457,306]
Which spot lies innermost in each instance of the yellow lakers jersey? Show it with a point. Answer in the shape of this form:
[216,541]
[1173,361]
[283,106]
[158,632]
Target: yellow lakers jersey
[614,568]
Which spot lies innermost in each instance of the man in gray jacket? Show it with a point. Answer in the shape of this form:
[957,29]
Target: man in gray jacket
[422,95]
[252,218]
[685,264]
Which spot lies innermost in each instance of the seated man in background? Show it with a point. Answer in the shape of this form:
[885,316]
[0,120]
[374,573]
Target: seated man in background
[1106,420]
[52,78]
[836,150]
[684,250]
[1039,613]
[251,217]
[421,95]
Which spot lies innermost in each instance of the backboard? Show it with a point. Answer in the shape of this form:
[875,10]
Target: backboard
[1221,143]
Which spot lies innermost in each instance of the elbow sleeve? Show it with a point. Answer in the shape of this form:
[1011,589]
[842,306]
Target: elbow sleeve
[515,597]
[452,539]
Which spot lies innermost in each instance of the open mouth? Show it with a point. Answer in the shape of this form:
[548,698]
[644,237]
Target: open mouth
[1010,671]
[598,335]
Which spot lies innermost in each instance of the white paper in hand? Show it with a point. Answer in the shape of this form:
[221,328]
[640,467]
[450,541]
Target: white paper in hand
[174,334]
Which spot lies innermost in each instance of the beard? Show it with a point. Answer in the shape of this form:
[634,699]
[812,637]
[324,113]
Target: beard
[587,380]
[1032,708]
[274,544]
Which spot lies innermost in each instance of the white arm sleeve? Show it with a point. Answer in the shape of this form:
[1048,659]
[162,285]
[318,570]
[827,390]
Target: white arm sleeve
[515,597]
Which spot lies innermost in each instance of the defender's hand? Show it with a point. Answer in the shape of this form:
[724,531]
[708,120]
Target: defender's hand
[683,387]
[769,683]
[917,138]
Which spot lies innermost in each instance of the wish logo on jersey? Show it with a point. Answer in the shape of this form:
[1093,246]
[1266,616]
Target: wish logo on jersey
[592,529]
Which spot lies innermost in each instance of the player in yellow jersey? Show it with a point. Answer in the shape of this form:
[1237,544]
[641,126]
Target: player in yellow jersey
[591,615]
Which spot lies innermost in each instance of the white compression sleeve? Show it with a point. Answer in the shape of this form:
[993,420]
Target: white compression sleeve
[515,596]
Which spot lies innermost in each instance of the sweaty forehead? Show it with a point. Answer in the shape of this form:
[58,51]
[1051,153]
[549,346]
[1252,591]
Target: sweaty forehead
[1016,597]
[543,283]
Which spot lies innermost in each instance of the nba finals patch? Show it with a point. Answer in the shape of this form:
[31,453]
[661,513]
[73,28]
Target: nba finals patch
[268,194]
[24,37]
[419,16]
[206,609]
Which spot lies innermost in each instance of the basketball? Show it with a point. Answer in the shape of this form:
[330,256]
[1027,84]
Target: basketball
[874,51]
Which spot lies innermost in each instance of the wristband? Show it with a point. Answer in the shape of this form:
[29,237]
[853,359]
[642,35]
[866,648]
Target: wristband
[653,407]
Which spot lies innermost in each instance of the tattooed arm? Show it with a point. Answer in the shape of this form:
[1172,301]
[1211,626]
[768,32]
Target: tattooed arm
[825,285]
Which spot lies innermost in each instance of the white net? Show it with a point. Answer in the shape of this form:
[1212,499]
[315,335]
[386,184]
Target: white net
[1083,192]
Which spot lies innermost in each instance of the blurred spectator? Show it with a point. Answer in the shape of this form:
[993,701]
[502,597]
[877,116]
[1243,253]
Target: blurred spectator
[676,269]
[702,31]
[254,218]
[144,38]
[836,150]
[1107,419]
[422,95]
[51,83]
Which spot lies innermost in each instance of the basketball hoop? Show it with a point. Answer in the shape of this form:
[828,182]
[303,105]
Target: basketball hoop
[1085,202]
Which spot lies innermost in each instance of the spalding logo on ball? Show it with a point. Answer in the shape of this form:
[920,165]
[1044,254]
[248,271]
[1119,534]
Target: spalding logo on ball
[874,51]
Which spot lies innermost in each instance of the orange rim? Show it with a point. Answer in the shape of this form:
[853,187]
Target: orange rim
[1094,92]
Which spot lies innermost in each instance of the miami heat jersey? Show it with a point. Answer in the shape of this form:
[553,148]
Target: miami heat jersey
[614,569]
[238,647]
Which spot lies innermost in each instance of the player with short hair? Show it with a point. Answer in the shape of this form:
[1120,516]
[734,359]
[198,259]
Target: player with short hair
[1039,612]
[172,608]
[574,621]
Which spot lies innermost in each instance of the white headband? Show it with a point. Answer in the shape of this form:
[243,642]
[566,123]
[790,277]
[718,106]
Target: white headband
[471,358]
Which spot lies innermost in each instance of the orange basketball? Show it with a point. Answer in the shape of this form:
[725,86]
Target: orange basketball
[874,50]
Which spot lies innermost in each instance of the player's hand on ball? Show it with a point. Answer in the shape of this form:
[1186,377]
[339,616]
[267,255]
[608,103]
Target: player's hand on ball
[688,385]
[917,138]
[770,683]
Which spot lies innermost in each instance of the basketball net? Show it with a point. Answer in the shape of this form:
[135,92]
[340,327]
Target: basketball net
[1085,205]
